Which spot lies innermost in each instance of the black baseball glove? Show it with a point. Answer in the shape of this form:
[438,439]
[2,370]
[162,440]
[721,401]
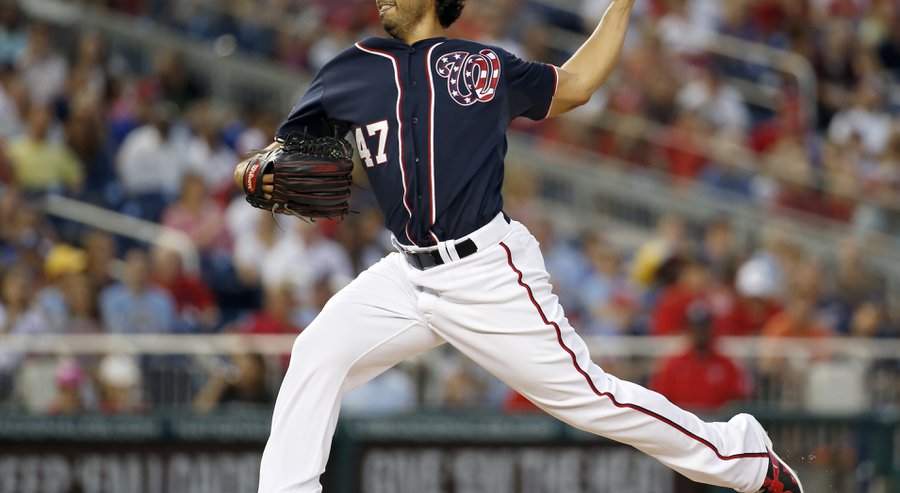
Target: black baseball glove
[310,177]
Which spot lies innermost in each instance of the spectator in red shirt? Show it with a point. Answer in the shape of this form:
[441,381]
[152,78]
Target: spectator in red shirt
[668,315]
[195,302]
[701,378]
[277,315]
[685,150]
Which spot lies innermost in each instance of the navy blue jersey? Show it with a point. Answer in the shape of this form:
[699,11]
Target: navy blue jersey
[429,120]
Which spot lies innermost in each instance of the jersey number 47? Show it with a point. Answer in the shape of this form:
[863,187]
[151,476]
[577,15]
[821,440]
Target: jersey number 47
[379,129]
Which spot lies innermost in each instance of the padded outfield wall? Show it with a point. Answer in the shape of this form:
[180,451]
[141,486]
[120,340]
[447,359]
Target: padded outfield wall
[419,453]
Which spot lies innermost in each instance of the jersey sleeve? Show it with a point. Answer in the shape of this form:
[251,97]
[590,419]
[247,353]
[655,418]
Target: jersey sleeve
[531,86]
[309,114]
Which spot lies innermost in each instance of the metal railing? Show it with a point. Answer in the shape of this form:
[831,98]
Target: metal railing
[278,344]
[124,225]
[790,374]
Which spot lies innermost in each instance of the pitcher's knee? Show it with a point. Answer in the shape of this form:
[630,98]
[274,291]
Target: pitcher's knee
[313,353]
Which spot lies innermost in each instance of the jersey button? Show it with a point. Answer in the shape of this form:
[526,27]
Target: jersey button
[415,120]
[413,83]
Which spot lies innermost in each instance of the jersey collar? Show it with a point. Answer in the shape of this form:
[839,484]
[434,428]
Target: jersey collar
[386,43]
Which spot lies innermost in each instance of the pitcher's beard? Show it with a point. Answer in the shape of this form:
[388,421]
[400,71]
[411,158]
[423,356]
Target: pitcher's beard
[399,23]
[391,27]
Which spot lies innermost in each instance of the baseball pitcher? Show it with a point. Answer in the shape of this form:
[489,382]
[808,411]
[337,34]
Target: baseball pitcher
[429,116]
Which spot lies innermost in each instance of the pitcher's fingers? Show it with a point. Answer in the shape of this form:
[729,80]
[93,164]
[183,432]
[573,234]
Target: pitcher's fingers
[269,178]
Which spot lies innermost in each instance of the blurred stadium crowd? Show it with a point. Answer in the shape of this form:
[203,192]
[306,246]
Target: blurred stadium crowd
[80,121]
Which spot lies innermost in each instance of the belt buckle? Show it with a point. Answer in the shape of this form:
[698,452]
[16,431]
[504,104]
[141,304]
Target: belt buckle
[412,259]
[422,260]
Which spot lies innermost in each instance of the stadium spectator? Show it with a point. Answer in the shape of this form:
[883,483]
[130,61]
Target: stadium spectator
[43,69]
[69,299]
[151,161]
[195,302]
[20,314]
[257,126]
[86,138]
[852,284]
[566,265]
[69,378]
[881,183]
[90,68]
[14,105]
[119,381]
[208,155]
[667,241]
[327,258]
[676,29]
[720,105]
[718,247]
[374,240]
[287,261]
[868,320]
[797,319]
[276,316]
[728,170]
[198,216]
[690,285]
[25,235]
[464,387]
[701,378]
[39,163]
[284,262]
[866,119]
[285,50]
[757,290]
[604,292]
[252,250]
[136,306]
[101,251]
[684,149]
[13,33]
[240,382]
[174,82]
[83,315]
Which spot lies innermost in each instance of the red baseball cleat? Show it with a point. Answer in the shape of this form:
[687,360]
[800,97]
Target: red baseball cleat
[780,478]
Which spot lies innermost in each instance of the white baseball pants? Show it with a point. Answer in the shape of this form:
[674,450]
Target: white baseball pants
[495,306]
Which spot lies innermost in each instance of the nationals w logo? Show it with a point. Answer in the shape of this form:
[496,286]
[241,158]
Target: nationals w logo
[470,77]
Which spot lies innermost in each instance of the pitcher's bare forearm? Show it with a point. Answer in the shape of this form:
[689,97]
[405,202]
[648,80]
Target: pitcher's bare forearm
[589,67]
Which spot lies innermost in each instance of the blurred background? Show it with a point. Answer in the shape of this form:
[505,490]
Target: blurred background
[721,223]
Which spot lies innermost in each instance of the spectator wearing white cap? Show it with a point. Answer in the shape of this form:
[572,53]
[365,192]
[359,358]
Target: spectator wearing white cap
[119,378]
[758,284]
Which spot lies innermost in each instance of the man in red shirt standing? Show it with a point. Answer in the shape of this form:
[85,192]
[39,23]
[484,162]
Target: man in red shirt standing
[701,378]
